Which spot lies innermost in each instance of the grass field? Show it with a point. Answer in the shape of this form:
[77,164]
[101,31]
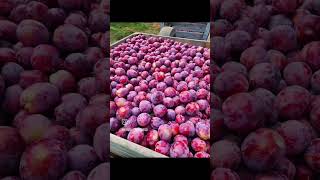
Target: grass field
[120,30]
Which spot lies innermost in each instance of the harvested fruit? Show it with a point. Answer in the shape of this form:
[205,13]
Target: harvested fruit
[265,94]
[161,90]
[54,70]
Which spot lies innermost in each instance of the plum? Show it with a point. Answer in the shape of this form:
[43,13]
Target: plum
[271,175]
[60,133]
[277,59]
[70,38]
[67,111]
[11,150]
[103,81]
[7,55]
[78,137]
[279,19]
[238,41]
[94,54]
[82,158]
[252,56]
[40,97]
[29,77]
[170,92]
[77,64]
[51,165]
[179,150]
[33,127]
[181,138]
[165,132]
[152,138]
[88,87]
[221,173]
[285,6]
[102,171]
[8,30]
[180,118]
[303,172]
[162,147]
[143,119]
[136,135]
[55,17]
[192,109]
[99,99]
[122,92]
[311,154]
[262,140]
[156,122]
[221,27]
[98,21]
[45,58]
[157,97]
[267,99]
[171,115]
[264,75]
[160,110]
[187,129]
[246,24]
[76,19]
[297,73]
[225,154]
[168,102]
[64,80]
[115,124]
[286,167]
[105,38]
[24,56]
[231,9]
[292,102]
[314,81]
[101,142]
[237,115]
[11,73]
[35,10]
[283,38]
[198,145]
[296,135]
[203,130]
[19,117]
[201,154]
[236,83]
[11,100]
[74,175]
[310,54]
[185,97]
[203,104]
[91,117]
[26,30]
[145,106]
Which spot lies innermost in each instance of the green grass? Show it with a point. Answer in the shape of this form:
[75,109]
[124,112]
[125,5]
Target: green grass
[121,30]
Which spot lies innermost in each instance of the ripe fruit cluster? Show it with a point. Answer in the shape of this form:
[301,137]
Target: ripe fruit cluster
[53,89]
[266,65]
[160,95]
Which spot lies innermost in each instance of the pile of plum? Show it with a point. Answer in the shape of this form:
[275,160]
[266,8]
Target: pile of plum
[160,95]
[53,89]
[266,85]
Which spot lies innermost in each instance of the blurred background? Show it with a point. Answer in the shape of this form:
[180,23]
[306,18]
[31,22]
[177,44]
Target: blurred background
[119,30]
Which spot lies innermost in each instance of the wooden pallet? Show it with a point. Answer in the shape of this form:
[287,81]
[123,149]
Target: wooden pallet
[120,147]
[190,30]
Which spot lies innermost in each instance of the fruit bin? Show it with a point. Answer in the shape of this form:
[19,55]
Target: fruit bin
[120,147]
